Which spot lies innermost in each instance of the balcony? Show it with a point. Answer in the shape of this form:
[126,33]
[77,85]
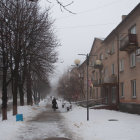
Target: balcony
[98,64]
[109,80]
[129,43]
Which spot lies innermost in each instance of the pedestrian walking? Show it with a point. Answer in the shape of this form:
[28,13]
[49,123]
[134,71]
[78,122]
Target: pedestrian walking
[54,104]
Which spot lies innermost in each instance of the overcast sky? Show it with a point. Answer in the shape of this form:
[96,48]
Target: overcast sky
[76,32]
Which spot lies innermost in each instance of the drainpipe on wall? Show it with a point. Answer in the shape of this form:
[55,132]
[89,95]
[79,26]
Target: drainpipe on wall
[118,69]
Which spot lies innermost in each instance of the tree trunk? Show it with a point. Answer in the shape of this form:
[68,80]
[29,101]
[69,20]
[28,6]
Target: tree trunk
[4,70]
[35,97]
[4,101]
[4,113]
[21,93]
[29,91]
[4,95]
[14,109]
[15,94]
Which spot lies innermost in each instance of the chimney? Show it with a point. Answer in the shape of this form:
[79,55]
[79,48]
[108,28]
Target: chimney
[123,17]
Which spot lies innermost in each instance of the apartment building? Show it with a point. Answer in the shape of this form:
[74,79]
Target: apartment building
[116,60]
[82,69]
[94,72]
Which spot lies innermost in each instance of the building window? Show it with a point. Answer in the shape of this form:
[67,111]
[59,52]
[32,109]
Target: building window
[93,76]
[132,30]
[113,69]
[101,56]
[132,59]
[113,48]
[121,65]
[93,63]
[113,91]
[122,89]
[133,88]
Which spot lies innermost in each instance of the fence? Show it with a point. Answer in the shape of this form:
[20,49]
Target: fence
[92,102]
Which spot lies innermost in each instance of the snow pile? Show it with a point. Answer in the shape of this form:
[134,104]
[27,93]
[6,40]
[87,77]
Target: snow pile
[124,127]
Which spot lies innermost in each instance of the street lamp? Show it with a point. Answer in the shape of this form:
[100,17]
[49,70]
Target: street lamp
[77,62]
[87,64]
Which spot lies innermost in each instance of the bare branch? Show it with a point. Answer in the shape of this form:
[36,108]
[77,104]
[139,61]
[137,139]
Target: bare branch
[69,4]
[62,6]
[49,1]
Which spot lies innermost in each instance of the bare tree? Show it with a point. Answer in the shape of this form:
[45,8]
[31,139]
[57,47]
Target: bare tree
[27,46]
[69,85]
[4,52]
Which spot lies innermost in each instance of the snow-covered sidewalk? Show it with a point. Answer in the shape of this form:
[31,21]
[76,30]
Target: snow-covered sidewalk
[9,129]
[103,124]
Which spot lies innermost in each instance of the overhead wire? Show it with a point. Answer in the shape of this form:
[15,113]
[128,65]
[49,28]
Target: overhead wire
[89,10]
[84,26]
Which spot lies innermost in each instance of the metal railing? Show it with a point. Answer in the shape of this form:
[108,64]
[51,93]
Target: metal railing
[92,102]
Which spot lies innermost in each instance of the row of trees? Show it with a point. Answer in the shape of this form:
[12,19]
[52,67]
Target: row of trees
[70,85]
[28,51]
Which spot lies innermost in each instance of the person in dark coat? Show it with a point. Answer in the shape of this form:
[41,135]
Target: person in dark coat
[54,104]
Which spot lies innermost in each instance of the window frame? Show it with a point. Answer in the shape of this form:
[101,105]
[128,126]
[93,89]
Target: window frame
[113,95]
[113,48]
[133,28]
[132,59]
[101,56]
[121,65]
[113,69]
[133,88]
[122,89]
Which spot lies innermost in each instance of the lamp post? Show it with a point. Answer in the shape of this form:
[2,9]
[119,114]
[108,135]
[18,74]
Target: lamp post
[87,64]
[87,57]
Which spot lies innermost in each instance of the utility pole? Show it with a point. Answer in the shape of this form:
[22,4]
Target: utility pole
[87,57]
[87,65]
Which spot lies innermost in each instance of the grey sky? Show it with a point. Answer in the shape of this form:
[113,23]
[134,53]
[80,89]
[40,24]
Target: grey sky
[93,18]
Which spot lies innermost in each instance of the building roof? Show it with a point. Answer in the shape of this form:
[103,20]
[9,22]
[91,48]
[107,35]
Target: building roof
[95,39]
[84,62]
[122,22]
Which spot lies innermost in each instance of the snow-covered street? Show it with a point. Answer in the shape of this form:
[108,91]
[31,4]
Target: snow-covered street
[41,122]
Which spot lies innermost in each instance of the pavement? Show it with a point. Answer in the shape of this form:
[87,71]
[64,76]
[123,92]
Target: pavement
[48,125]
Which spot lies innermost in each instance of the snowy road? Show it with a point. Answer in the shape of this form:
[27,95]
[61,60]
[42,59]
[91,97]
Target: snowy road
[46,125]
